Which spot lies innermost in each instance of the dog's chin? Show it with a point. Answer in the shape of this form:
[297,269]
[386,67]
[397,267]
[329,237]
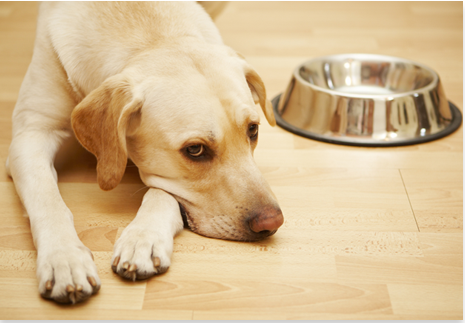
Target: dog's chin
[247,237]
[234,236]
[218,228]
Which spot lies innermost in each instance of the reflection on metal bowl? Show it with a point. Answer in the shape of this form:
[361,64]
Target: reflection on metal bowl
[366,100]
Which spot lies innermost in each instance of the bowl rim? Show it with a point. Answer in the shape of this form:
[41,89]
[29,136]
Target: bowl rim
[452,127]
[363,56]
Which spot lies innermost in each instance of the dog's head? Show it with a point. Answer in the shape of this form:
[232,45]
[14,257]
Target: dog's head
[190,124]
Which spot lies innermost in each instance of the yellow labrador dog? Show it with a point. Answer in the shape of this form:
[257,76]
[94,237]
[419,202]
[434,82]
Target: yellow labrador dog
[152,82]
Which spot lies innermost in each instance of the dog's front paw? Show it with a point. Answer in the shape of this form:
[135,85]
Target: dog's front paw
[67,273]
[141,253]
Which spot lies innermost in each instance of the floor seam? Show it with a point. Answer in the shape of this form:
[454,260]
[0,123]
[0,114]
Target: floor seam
[410,202]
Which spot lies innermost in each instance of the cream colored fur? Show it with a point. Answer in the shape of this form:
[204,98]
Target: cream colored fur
[145,81]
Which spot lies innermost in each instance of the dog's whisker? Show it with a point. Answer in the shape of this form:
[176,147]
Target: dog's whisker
[219,226]
[139,190]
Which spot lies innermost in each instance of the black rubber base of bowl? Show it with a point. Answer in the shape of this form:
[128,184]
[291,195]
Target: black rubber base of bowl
[454,125]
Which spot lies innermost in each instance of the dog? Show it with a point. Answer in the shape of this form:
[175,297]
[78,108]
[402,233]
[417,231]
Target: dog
[152,82]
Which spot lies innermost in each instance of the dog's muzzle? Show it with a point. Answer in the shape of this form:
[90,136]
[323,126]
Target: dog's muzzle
[256,226]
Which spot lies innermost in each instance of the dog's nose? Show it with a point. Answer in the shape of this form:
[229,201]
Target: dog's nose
[269,219]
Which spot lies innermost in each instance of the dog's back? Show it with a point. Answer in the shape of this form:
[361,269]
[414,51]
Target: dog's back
[107,35]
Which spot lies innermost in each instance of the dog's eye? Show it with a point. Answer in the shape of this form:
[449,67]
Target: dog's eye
[195,150]
[253,131]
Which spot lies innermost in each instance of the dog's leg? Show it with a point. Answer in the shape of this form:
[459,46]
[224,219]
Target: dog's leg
[41,120]
[146,244]
[65,267]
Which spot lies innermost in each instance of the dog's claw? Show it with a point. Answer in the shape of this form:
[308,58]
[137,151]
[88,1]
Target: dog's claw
[48,285]
[116,261]
[71,295]
[63,285]
[126,270]
[76,293]
[70,289]
[72,298]
[92,281]
[130,271]
[133,272]
[114,265]
[156,262]
[48,289]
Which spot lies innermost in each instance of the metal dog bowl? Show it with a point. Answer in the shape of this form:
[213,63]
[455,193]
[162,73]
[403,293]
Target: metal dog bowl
[366,100]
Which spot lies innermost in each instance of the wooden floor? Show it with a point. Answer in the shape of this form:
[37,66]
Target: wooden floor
[368,233]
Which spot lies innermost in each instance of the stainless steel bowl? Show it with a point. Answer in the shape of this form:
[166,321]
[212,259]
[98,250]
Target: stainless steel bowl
[366,100]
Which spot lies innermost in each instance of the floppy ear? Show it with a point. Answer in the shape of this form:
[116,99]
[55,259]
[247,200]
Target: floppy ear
[256,86]
[100,122]
[259,94]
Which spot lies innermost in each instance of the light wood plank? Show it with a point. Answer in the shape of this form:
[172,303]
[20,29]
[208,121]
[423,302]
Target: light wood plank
[96,208]
[432,300]
[11,209]
[308,244]
[434,269]
[360,158]
[260,314]
[351,219]
[271,296]
[441,243]
[80,312]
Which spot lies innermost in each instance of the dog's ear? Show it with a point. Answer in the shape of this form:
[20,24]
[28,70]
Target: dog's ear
[259,94]
[256,86]
[100,122]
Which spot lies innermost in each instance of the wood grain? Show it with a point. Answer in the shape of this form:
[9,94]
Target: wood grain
[430,300]
[276,296]
[369,233]
[434,269]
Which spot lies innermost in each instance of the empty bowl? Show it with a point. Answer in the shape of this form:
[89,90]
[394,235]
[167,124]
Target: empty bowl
[366,100]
